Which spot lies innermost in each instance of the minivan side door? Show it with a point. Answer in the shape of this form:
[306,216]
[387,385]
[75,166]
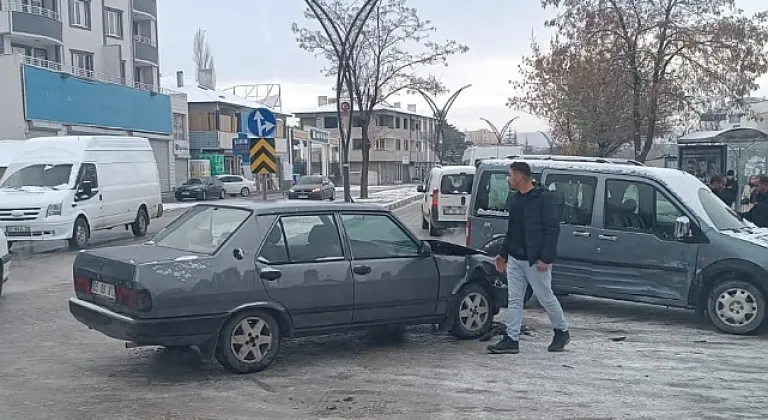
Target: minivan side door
[636,254]
[574,196]
[302,266]
[393,280]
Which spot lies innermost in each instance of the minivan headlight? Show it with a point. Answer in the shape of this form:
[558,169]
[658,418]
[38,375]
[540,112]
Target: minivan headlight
[53,210]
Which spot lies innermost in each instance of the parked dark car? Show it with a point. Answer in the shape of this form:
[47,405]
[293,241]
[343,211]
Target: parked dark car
[313,187]
[235,279]
[201,189]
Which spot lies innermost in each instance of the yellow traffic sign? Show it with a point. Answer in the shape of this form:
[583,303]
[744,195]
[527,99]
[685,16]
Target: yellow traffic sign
[263,156]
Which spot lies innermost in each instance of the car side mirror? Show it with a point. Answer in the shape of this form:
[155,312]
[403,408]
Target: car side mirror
[426,249]
[682,228]
[420,189]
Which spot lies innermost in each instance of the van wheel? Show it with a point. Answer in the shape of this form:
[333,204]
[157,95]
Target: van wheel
[472,312]
[736,307]
[424,223]
[81,234]
[10,245]
[248,342]
[245,192]
[139,226]
[433,231]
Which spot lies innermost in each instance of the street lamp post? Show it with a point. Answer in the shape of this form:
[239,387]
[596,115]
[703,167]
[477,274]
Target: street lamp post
[500,134]
[440,114]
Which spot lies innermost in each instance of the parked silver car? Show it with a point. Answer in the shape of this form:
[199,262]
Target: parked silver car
[636,233]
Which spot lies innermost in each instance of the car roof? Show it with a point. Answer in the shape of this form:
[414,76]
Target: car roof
[294,206]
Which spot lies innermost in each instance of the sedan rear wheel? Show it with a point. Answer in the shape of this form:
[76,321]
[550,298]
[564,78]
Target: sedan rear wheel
[249,342]
[473,313]
[245,192]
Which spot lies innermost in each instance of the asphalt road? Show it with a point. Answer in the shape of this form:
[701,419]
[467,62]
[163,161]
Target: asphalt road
[626,361]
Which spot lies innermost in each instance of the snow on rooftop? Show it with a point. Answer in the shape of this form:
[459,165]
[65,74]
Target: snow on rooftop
[331,108]
[198,94]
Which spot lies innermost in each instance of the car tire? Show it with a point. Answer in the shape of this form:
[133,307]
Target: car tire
[736,307]
[245,192]
[10,245]
[248,357]
[333,196]
[433,231]
[424,223]
[81,234]
[222,195]
[203,196]
[472,312]
[140,225]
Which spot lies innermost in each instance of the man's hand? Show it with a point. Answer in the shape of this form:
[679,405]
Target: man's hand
[542,266]
[500,263]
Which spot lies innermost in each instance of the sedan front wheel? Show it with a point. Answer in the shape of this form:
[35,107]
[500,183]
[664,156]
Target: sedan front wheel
[472,312]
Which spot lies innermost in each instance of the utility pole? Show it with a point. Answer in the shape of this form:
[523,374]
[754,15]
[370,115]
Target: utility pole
[441,115]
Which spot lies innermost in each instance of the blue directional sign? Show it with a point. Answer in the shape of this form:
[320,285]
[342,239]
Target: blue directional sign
[241,147]
[262,123]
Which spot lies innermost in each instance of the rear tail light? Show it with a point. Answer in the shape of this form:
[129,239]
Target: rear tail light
[435,194]
[468,231]
[140,300]
[82,285]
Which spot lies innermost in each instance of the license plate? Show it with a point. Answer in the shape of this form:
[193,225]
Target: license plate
[16,229]
[455,210]
[103,289]
[303,195]
[184,193]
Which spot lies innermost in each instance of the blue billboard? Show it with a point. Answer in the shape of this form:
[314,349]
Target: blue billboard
[66,99]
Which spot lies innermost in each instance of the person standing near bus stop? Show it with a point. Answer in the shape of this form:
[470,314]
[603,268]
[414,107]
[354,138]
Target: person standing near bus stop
[528,253]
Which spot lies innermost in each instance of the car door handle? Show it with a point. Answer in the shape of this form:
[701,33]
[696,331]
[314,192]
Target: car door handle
[361,269]
[581,234]
[606,237]
[269,274]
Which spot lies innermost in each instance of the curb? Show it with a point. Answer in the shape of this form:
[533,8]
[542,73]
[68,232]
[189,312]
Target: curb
[404,202]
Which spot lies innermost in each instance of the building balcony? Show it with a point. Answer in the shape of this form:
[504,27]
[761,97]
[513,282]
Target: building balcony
[32,23]
[144,49]
[74,96]
[145,9]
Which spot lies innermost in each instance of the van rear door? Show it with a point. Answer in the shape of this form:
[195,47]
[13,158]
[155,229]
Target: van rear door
[455,193]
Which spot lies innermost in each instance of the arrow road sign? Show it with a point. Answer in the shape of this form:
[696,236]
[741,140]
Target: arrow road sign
[262,122]
[263,157]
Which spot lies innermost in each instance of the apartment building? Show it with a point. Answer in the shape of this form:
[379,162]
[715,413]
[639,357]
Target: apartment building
[481,137]
[401,140]
[87,67]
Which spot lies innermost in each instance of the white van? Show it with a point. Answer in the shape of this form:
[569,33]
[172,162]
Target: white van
[447,192]
[63,188]
[473,155]
[8,149]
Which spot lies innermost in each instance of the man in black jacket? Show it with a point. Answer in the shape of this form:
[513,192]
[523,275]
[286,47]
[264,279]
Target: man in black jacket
[758,214]
[529,251]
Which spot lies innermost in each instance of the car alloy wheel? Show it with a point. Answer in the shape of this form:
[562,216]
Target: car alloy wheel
[245,192]
[249,342]
[139,226]
[736,307]
[80,234]
[473,313]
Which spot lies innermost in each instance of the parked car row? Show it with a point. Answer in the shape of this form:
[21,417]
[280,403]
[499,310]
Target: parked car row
[215,187]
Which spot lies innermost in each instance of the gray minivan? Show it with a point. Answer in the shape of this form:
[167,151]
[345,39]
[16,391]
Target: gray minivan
[635,233]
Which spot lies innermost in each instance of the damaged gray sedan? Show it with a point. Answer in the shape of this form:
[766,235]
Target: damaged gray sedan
[234,280]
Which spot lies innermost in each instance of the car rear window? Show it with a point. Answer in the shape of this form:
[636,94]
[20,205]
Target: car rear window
[492,192]
[456,184]
[202,229]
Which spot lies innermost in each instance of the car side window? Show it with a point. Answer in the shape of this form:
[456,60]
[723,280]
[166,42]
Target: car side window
[574,197]
[641,207]
[302,239]
[373,236]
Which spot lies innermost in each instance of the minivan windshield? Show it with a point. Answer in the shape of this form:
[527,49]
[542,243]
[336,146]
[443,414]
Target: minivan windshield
[40,175]
[722,216]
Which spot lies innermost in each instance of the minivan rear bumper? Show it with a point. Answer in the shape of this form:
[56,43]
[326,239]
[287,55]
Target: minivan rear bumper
[446,224]
[177,331]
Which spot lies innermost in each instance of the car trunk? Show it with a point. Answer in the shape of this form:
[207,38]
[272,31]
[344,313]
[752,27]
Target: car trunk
[108,277]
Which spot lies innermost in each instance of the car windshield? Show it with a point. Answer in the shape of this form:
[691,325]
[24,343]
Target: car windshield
[722,216]
[203,229]
[193,181]
[310,180]
[40,175]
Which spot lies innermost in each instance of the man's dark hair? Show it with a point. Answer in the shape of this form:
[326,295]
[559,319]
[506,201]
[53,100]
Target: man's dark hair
[521,168]
[730,173]
[762,179]
[717,179]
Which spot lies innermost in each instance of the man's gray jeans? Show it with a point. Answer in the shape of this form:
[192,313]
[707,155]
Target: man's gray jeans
[519,275]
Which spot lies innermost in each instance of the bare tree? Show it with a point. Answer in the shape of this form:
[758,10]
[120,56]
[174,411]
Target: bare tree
[205,67]
[674,54]
[394,43]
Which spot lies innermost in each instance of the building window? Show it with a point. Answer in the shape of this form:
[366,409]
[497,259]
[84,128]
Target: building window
[34,56]
[397,122]
[179,127]
[122,72]
[330,122]
[80,13]
[82,63]
[405,124]
[113,23]
[407,146]
[397,144]
[357,144]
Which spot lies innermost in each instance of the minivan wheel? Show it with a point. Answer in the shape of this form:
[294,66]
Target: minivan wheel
[433,231]
[81,234]
[139,226]
[424,223]
[736,307]
[245,192]
[249,342]
[472,312]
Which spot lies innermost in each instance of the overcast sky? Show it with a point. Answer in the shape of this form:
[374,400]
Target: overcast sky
[252,43]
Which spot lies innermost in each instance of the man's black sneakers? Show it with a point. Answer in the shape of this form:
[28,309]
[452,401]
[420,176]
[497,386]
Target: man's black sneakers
[505,346]
[559,341]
